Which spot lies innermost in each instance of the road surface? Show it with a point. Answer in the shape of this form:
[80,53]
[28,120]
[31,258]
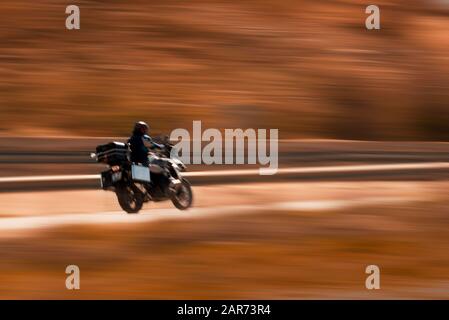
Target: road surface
[267,240]
[308,232]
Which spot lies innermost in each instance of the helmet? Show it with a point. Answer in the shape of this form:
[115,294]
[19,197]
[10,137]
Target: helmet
[141,126]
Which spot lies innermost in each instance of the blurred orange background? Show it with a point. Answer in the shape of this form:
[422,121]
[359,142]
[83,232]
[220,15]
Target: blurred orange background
[309,68]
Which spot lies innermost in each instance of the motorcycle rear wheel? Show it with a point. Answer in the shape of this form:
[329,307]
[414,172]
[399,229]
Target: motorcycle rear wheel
[130,198]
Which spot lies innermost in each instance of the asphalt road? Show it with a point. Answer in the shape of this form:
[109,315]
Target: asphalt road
[30,157]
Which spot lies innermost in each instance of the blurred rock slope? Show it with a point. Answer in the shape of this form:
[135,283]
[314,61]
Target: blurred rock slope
[309,68]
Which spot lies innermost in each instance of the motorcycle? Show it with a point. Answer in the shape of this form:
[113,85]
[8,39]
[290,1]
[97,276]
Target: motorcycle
[135,184]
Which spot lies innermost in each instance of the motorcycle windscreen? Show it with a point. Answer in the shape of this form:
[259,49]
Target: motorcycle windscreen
[140,173]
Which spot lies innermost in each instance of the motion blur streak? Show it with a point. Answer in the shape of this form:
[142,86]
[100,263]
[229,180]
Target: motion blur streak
[363,148]
[102,218]
[232,173]
[240,241]
[50,178]
[324,169]
[309,67]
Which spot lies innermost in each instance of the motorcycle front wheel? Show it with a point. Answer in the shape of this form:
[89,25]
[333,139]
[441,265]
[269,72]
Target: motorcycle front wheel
[129,197]
[182,196]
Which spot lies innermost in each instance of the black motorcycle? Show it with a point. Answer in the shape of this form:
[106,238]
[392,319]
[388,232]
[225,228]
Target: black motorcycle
[135,184]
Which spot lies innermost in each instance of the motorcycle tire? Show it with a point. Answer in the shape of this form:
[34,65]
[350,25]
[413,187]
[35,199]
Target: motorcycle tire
[182,197]
[130,198]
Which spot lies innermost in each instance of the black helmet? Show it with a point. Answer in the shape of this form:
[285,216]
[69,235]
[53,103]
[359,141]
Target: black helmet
[141,125]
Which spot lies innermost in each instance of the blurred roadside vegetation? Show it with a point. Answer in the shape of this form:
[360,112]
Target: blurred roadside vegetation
[309,68]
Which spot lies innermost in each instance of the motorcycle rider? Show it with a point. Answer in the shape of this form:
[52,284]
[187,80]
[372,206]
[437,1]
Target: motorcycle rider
[139,150]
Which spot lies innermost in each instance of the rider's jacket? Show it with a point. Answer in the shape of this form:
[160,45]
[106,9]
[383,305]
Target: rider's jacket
[139,151]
